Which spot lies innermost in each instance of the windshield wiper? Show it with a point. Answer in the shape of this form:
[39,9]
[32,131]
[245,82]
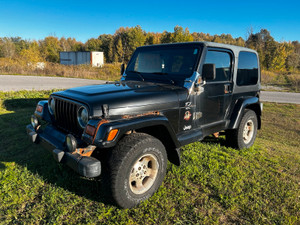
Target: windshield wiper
[162,73]
[138,73]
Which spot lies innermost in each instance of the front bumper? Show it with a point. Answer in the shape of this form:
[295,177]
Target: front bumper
[54,140]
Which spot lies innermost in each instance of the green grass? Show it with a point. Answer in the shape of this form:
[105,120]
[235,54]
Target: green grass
[214,184]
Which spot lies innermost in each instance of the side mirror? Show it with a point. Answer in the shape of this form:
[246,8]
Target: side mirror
[122,68]
[209,71]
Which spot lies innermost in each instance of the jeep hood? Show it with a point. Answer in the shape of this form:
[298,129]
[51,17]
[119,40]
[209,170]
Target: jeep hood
[125,98]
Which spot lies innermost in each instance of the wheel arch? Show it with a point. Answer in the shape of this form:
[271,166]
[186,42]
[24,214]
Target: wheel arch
[158,127]
[257,109]
[251,103]
[161,133]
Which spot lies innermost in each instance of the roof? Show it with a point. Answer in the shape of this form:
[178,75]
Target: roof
[77,51]
[234,48]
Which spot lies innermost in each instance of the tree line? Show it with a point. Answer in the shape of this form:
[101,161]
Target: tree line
[275,56]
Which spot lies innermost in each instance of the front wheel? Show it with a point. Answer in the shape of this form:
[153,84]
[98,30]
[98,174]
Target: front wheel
[136,166]
[244,136]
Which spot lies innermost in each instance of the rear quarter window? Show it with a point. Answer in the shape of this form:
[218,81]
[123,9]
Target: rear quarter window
[247,73]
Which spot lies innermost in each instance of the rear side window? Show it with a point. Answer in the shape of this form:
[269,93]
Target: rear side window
[247,73]
[222,61]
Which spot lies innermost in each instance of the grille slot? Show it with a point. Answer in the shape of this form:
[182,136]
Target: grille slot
[66,116]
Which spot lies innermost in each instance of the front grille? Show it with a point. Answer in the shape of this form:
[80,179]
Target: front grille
[66,116]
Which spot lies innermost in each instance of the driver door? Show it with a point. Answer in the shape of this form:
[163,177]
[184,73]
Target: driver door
[216,97]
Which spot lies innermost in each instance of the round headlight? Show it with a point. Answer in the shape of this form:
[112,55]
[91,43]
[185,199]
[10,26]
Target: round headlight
[71,143]
[82,116]
[51,106]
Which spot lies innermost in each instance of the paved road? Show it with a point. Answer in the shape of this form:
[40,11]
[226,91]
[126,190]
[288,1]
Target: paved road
[13,83]
[280,97]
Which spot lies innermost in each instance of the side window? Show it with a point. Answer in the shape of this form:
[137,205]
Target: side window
[247,73]
[222,61]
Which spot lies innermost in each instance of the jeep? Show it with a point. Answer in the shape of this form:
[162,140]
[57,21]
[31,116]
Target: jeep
[169,95]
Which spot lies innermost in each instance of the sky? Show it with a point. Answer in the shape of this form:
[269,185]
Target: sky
[34,20]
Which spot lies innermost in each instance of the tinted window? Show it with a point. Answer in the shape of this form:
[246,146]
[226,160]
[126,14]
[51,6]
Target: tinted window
[178,61]
[222,61]
[247,69]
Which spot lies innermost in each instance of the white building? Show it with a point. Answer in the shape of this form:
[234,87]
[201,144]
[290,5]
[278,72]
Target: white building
[92,58]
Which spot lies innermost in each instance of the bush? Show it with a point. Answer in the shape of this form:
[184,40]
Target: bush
[19,66]
[294,79]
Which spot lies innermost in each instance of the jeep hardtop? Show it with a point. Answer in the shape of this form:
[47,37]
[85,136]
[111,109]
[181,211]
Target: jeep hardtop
[169,95]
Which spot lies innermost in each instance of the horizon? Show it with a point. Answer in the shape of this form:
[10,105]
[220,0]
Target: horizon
[32,20]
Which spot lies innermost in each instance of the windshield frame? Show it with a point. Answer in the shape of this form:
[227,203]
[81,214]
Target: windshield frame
[177,79]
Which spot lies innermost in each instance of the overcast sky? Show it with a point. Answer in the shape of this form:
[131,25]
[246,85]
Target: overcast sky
[86,19]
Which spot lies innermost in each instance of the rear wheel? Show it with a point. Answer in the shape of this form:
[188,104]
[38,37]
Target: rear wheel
[136,167]
[244,136]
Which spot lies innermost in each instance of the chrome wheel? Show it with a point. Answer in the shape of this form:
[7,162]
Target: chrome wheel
[143,174]
[248,131]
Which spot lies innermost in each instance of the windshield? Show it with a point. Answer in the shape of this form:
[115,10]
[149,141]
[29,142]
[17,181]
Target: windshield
[164,62]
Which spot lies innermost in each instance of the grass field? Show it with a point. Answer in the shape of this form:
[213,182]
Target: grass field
[214,185]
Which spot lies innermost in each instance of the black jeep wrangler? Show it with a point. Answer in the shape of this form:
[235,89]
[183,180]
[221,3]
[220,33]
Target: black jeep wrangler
[170,95]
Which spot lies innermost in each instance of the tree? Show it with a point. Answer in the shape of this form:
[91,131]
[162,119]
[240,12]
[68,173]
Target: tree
[118,51]
[64,44]
[279,57]
[1,44]
[181,35]
[32,53]
[217,39]
[227,39]
[264,44]
[121,45]
[166,37]
[240,41]
[8,48]
[293,61]
[296,45]
[93,44]
[197,36]
[75,45]
[106,46]
[135,37]
[20,44]
[50,48]
[152,38]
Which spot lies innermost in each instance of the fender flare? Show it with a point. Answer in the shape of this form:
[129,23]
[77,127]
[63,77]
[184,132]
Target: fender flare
[252,103]
[126,125]
[134,124]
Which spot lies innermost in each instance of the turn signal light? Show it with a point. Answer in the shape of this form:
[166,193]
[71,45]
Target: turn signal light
[39,108]
[90,130]
[112,134]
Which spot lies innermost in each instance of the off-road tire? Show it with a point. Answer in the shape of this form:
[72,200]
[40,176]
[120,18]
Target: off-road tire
[126,154]
[237,138]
